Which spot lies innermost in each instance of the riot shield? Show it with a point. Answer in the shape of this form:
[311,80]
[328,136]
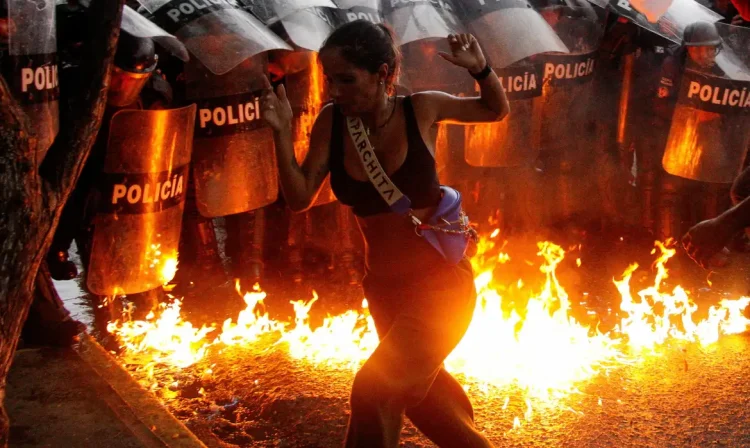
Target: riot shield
[306,91]
[566,96]
[351,10]
[219,33]
[567,77]
[31,68]
[284,8]
[303,23]
[421,57]
[139,26]
[672,24]
[261,9]
[141,198]
[412,21]
[509,30]
[710,130]
[733,57]
[515,140]
[234,163]
[421,29]
[309,28]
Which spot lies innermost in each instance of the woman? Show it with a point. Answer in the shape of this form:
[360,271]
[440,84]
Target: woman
[421,305]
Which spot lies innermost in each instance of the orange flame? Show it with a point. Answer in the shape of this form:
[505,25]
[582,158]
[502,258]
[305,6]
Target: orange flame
[500,348]
[312,106]
[649,320]
[168,339]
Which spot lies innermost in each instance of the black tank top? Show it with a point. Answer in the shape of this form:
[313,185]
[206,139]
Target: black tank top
[416,177]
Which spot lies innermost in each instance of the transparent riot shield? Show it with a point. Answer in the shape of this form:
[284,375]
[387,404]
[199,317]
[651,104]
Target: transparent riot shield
[567,95]
[421,29]
[309,28]
[303,23]
[234,163]
[219,33]
[139,26]
[515,140]
[31,68]
[141,196]
[284,8]
[710,130]
[412,21]
[671,24]
[262,9]
[567,78]
[421,57]
[351,10]
[509,30]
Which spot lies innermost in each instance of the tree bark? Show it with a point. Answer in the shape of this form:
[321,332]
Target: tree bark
[31,201]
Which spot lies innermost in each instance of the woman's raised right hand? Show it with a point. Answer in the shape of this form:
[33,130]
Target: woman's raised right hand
[275,108]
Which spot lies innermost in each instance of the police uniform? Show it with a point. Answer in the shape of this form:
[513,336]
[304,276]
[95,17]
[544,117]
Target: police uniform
[76,220]
[655,84]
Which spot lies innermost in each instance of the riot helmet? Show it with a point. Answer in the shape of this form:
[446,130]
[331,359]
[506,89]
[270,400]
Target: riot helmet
[699,34]
[702,42]
[134,62]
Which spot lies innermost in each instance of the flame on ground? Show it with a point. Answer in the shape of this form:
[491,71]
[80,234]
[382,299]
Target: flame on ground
[651,319]
[526,349]
[168,339]
[542,349]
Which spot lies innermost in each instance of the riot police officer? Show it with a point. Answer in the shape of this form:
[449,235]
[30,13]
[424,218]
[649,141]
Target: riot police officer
[652,99]
[684,201]
[132,86]
[134,62]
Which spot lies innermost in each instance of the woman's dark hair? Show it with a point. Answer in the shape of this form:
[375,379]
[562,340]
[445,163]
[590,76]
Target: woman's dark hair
[367,45]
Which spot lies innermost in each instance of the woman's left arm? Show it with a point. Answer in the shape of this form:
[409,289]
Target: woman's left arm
[492,104]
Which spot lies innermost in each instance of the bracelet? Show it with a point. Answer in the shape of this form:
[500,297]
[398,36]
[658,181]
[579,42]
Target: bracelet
[483,74]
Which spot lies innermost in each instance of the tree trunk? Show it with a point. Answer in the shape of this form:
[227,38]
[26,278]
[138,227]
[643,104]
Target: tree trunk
[31,201]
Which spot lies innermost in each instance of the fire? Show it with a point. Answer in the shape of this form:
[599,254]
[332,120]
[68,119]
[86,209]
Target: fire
[537,346]
[312,105]
[305,119]
[481,143]
[252,322]
[526,349]
[168,339]
[346,340]
[168,269]
[164,264]
[651,319]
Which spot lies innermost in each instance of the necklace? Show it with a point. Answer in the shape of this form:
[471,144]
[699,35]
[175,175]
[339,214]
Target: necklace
[393,110]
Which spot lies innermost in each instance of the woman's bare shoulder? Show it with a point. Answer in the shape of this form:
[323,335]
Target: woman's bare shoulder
[324,121]
[429,98]
[326,114]
[427,105]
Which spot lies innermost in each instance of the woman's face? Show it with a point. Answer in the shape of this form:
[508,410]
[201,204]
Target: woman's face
[355,90]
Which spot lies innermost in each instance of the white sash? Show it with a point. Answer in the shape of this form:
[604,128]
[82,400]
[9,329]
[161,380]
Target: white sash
[387,189]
